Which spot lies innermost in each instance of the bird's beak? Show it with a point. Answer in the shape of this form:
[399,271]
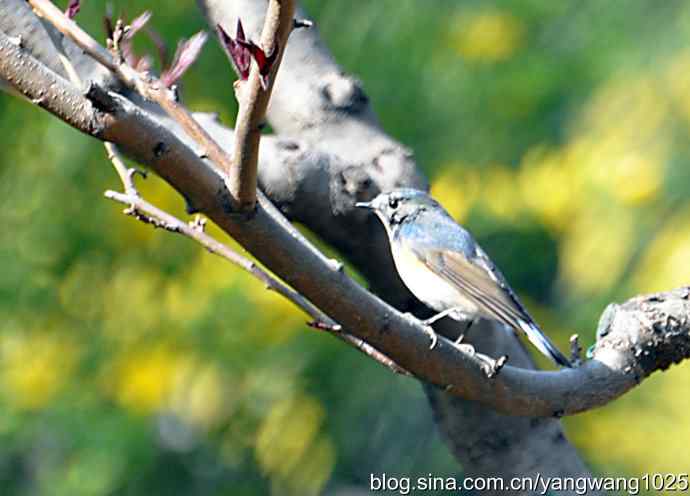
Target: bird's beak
[364,205]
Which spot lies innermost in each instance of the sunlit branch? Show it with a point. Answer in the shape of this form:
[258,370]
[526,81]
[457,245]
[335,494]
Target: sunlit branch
[643,335]
[253,100]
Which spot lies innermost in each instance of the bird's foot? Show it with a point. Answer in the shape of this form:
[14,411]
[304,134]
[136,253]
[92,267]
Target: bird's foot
[432,334]
[427,329]
[490,366]
[493,366]
[459,339]
[465,348]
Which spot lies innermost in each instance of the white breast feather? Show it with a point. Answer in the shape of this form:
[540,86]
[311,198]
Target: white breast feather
[428,287]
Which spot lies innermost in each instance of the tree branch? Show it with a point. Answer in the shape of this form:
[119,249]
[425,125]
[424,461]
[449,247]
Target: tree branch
[147,213]
[615,369]
[326,120]
[148,87]
[316,101]
[323,110]
[150,214]
[253,100]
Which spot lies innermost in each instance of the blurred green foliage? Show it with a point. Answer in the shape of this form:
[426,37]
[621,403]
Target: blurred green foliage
[132,362]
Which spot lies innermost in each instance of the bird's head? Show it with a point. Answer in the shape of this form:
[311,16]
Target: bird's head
[395,206]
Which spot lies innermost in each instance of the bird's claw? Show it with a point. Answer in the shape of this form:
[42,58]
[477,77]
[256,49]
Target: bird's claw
[432,334]
[466,348]
[490,366]
[427,329]
[493,367]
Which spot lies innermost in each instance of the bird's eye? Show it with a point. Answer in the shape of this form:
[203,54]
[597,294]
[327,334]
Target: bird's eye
[393,203]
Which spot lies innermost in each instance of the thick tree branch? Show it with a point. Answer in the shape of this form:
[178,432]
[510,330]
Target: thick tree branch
[615,369]
[241,170]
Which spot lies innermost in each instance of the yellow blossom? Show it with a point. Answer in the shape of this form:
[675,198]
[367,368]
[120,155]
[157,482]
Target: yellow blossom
[664,264]
[290,449]
[487,36]
[457,189]
[144,379]
[35,367]
[596,249]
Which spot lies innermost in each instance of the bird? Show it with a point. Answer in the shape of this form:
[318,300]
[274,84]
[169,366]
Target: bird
[445,268]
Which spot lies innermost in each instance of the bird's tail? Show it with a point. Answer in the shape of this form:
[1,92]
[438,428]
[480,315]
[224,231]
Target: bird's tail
[543,344]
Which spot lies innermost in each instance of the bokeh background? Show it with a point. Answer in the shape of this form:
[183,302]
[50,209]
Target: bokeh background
[132,362]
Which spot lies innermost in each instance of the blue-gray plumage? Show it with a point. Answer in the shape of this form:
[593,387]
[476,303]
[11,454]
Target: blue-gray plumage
[439,261]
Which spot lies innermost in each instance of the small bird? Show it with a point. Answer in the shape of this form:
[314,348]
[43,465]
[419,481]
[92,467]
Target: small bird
[445,268]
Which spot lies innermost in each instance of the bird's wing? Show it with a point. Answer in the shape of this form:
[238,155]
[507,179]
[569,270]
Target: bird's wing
[479,279]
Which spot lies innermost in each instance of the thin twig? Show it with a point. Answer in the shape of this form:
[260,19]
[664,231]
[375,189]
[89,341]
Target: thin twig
[131,197]
[148,86]
[242,182]
[147,213]
[150,214]
[252,110]
[253,100]
[360,345]
[111,150]
[126,174]
[69,28]
[240,172]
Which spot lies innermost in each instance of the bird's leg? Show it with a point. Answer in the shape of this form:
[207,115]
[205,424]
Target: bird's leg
[427,323]
[461,337]
[432,334]
[439,316]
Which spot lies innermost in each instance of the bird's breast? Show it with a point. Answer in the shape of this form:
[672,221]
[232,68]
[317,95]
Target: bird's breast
[427,286]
